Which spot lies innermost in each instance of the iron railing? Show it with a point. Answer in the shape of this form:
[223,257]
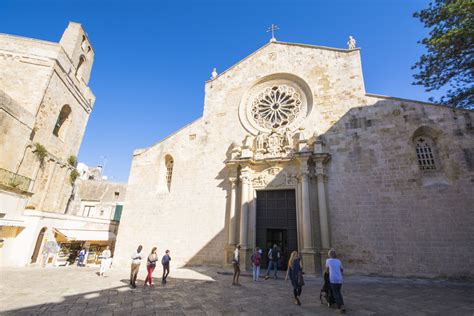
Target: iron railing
[14,180]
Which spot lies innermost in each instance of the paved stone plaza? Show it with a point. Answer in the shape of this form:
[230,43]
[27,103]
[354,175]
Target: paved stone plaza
[76,291]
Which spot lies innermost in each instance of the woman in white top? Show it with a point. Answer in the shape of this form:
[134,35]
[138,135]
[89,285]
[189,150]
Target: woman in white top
[105,260]
[334,267]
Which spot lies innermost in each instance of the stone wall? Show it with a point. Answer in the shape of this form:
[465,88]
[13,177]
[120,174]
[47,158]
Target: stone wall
[192,218]
[386,217]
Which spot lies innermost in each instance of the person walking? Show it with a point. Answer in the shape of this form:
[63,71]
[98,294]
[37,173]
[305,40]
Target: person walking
[334,267]
[105,260]
[256,259]
[82,255]
[136,260]
[273,257]
[236,264]
[295,272]
[150,266]
[165,262]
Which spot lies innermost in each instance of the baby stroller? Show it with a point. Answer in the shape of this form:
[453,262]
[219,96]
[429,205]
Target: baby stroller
[326,291]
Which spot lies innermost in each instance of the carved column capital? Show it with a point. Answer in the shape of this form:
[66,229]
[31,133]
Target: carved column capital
[304,176]
[320,171]
[246,178]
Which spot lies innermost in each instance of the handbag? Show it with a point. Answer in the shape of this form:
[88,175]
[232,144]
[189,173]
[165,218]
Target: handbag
[300,278]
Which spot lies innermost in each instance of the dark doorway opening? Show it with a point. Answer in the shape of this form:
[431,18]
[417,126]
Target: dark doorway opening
[39,241]
[276,224]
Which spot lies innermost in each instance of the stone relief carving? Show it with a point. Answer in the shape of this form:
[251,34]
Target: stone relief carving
[273,177]
[277,144]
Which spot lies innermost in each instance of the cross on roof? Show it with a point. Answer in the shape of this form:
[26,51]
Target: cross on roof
[272,29]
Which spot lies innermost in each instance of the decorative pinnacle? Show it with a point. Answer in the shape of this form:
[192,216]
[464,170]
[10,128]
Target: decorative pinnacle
[214,73]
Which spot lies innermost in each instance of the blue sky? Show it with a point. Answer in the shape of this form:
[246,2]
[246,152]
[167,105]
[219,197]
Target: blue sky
[152,57]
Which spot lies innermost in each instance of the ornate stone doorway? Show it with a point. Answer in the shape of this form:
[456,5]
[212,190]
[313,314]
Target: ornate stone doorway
[276,223]
[278,163]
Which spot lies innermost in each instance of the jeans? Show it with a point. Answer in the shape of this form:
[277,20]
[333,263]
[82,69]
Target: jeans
[336,292]
[274,265]
[150,268]
[255,272]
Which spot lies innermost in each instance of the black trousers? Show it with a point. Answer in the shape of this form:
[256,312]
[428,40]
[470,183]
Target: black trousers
[297,291]
[336,292]
[166,271]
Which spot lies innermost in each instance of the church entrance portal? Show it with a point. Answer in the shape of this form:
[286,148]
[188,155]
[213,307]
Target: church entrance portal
[276,224]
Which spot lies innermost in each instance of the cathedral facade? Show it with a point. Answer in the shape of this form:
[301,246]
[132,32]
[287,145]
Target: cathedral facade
[292,151]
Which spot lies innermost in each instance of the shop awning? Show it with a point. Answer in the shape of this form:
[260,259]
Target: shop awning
[83,235]
[11,222]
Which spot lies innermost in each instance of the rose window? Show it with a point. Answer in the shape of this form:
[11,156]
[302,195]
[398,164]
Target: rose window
[276,106]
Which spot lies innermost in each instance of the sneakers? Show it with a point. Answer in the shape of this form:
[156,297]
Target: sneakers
[340,311]
[298,301]
[267,277]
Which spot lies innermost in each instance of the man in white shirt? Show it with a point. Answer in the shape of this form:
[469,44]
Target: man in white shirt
[334,267]
[136,260]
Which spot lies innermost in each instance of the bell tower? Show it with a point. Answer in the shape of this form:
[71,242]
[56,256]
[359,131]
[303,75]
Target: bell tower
[78,48]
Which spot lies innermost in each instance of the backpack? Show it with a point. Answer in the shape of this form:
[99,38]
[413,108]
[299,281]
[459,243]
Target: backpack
[256,260]
[166,260]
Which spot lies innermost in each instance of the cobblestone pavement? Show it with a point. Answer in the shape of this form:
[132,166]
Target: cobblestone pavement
[201,291]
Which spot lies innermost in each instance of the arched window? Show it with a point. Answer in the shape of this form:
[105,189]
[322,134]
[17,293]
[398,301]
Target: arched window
[84,43]
[62,121]
[169,162]
[80,66]
[425,153]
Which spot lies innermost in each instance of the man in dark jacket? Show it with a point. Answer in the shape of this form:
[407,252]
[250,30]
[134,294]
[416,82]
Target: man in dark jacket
[273,257]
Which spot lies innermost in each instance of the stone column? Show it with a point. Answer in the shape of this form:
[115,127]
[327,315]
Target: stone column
[252,217]
[232,213]
[244,209]
[308,252]
[245,181]
[323,211]
[306,211]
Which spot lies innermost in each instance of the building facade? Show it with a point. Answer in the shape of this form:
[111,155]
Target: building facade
[45,103]
[292,151]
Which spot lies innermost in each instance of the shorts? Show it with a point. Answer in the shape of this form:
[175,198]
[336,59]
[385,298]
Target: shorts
[236,267]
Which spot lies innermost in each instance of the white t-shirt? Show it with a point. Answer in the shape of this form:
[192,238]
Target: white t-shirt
[236,256]
[335,274]
[136,257]
[106,254]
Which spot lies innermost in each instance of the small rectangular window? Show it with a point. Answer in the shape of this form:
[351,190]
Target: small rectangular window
[88,210]
[116,195]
